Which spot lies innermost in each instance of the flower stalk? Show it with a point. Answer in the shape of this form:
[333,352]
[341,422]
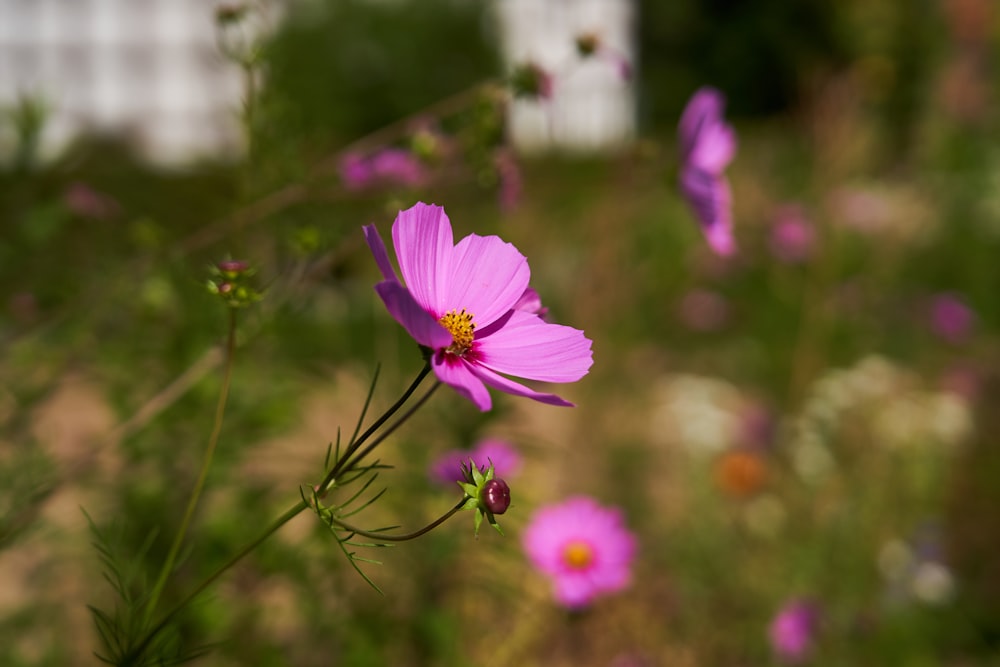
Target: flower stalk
[213,440]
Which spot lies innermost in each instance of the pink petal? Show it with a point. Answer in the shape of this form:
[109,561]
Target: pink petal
[457,374]
[709,197]
[574,590]
[715,148]
[704,108]
[377,247]
[510,387]
[423,241]
[528,347]
[487,277]
[418,322]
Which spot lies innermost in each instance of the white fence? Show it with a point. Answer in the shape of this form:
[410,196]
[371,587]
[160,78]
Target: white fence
[152,70]
[592,106]
[147,68]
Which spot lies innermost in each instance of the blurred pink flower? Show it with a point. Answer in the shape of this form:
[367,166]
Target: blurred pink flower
[793,237]
[460,301]
[793,631]
[703,310]
[963,379]
[86,202]
[506,461]
[707,146]
[387,167]
[951,318]
[585,549]
[509,174]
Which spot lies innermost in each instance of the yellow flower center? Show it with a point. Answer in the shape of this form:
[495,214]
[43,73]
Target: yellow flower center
[578,554]
[462,329]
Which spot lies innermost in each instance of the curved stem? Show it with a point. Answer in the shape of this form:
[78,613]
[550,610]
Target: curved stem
[375,535]
[290,514]
[213,439]
[341,464]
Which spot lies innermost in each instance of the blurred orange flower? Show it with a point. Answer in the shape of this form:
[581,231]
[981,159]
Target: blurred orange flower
[740,473]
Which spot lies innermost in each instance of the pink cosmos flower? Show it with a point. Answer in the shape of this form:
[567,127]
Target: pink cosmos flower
[793,238]
[707,145]
[87,202]
[387,167]
[460,302]
[793,631]
[951,318]
[704,310]
[511,183]
[584,548]
[447,469]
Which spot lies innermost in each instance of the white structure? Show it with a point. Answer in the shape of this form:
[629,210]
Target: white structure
[148,68]
[592,107]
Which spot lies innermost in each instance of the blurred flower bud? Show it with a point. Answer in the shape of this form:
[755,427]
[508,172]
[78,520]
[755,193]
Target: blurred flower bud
[230,14]
[531,81]
[587,44]
[232,281]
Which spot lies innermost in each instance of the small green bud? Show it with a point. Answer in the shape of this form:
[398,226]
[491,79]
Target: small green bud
[231,280]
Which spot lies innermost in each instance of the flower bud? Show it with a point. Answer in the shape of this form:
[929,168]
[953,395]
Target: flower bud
[531,81]
[587,44]
[232,267]
[495,496]
[232,281]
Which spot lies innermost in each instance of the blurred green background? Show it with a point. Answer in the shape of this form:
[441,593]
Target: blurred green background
[773,428]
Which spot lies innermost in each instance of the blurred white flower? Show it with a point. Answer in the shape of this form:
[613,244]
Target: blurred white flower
[811,459]
[700,413]
[932,583]
[895,559]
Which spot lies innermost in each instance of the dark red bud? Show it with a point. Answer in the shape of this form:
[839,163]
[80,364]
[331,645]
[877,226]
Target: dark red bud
[232,266]
[495,496]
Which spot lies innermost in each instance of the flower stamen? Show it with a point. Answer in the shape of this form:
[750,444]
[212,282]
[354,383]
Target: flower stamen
[578,554]
[462,329]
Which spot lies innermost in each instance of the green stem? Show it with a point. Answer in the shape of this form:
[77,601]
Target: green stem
[341,464]
[213,439]
[290,514]
[386,433]
[375,535]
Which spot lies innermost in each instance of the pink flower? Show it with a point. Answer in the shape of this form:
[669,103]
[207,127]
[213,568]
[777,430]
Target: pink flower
[584,548]
[707,145]
[460,302]
[793,631]
[509,174]
[704,310]
[87,202]
[951,318]
[447,469]
[387,167]
[792,236]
